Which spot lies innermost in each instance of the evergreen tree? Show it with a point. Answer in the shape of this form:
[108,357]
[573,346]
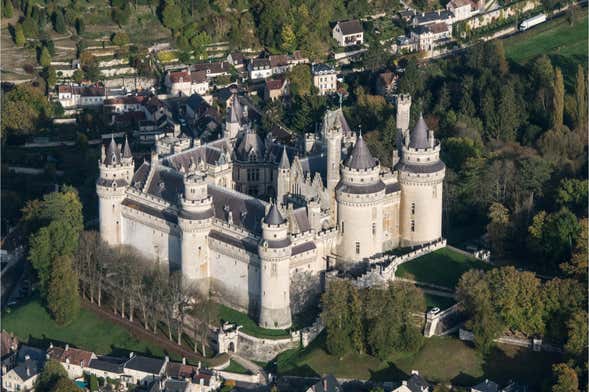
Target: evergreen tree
[52,372]
[577,332]
[50,76]
[63,300]
[80,26]
[558,100]
[288,39]
[19,36]
[45,57]
[8,9]
[300,80]
[59,22]
[581,97]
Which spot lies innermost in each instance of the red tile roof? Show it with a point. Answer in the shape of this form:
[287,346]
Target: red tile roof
[74,355]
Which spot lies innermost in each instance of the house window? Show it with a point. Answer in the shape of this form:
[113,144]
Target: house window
[413,208]
[412,225]
[357,248]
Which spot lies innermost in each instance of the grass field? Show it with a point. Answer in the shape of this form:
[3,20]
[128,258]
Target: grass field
[441,359]
[235,367]
[33,325]
[566,45]
[442,267]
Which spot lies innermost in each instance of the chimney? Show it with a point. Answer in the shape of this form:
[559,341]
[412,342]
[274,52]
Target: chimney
[67,347]
[27,357]
[202,384]
[325,383]
[183,360]
[131,354]
[199,364]
[28,372]
[50,344]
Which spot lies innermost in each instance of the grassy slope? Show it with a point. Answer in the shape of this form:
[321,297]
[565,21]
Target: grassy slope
[249,326]
[235,367]
[32,324]
[442,267]
[466,366]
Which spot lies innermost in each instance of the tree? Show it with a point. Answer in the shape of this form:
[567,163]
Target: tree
[59,22]
[50,76]
[45,57]
[498,227]
[8,9]
[579,264]
[573,193]
[554,234]
[577,332]
[19,36]
[565,379]
[120,39]
[172,15]
[411,82]
[64,384]
[336,318]
[93,383]
[63,300]
[558,99]
[199,44]
[581,97]
[80,26]
[288,39]
[121,15]
[300,81]
[61,224]
[23,110]
[52,372]
[78,76]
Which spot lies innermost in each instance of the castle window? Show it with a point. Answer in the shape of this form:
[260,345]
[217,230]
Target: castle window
[357,248]
[435,191]
[412,225]
[413,208]
[373,229]
[342,227]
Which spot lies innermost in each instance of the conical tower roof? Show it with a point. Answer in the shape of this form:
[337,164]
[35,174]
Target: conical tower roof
[127,149]
[236,111]
[274,217]
[284,162]
[360,158]
[113,155]
[418,138]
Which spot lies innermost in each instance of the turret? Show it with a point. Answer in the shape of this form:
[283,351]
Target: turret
[359,197]
[283,178]
[421,177]
[403,111]
[116,171]
[195,220]
[274,251]
[235,114]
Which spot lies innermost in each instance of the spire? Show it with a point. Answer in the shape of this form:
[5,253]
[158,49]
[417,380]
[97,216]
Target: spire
[418,138]
[113,155]
[284,162]
[274,217]
[361,158]
[127,149]
[235,111]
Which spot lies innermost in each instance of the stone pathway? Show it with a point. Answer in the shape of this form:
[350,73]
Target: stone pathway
[251,366]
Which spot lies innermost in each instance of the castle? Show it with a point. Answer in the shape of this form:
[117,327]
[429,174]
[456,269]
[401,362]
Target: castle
[199,207]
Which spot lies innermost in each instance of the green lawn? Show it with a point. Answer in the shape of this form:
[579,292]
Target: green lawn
[249,326]
[440,359]
[33,325]
[442,267]
[566,45]
[235,367]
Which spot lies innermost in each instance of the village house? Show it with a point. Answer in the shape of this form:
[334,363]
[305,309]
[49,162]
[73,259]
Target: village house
[108,367]
[186,83]
[275,89]
[428,37]
[415,383]
[201,380]
[461,9]
[8,348]
[74,96]
[279,64]
[143,370]
[259,68]
[432,17]
[324,78]
[386,83]
[213,69]
[328,383]
[73,360]
[348,33]
[237,59]
[27,367]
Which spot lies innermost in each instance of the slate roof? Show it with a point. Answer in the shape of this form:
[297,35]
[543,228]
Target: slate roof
[197,103]
[315,164]
[360,189]
[392,188]
[361,158]
[350,27]
[127,149]
[284,162]
[247,211]
[321,69]
[250,142]
[166,184]
[145,364]
[304,247]
[418,138]
[432,16]
[141,176]
[421,169]
[328,383]
[416,383]
[239,243]
[486,386]
[274,217]
[108,364]
[113,154]
[301,219]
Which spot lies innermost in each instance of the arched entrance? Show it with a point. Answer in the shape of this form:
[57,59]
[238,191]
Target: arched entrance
[231,347]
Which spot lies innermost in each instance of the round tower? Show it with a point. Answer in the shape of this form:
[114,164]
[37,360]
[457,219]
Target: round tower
[421,176]
[359,196]
[116,171]
[274,251]
[403,111]
[283,178]
[195,220]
